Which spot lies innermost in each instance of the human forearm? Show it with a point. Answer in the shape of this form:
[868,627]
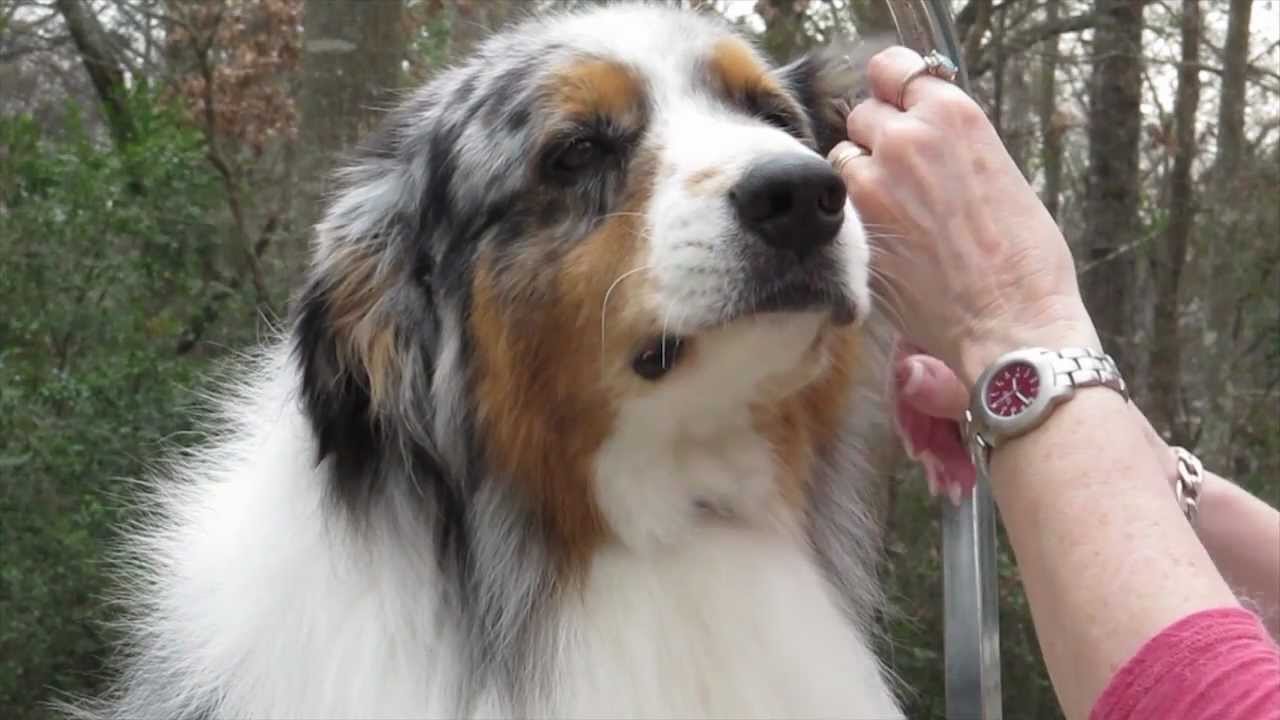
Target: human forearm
[1106,558]
[1242,535]
[1240,532]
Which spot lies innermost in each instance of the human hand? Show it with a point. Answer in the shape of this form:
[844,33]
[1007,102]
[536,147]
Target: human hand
[968,260]
[928,403]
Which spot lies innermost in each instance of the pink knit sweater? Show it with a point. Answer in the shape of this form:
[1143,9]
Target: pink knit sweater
[1211,665]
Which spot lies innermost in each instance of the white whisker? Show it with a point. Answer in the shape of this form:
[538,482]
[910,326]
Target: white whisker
[885,299]
[621,213]
[662,341]
[604,306]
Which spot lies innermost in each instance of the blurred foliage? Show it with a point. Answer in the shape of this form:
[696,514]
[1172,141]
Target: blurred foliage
[101,253]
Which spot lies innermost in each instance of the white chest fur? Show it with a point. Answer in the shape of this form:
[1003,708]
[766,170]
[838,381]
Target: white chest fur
[693,615]
[737,624]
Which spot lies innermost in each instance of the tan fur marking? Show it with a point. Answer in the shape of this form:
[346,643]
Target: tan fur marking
[545,402]
[739,71]
[598,87]
[369,338]
[800,426]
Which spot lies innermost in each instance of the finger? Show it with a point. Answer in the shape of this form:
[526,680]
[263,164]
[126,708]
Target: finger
[936,444]
[857,169]
[891,71]
[887,70]
[845,153]
[867,121]
[929,386]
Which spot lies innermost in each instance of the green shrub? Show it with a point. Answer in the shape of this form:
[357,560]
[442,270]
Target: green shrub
[101,253]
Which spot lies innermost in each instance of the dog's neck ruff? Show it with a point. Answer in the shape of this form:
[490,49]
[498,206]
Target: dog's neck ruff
[273,605]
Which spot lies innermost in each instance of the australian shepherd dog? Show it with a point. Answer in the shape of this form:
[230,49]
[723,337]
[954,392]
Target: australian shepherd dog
[567,419]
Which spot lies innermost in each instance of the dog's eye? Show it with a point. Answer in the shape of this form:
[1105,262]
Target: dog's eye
[577,156]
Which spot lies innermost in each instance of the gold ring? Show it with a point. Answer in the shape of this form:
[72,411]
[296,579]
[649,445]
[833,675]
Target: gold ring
[849,155]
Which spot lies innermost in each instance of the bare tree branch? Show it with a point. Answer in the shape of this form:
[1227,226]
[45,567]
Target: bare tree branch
[1028,39]
[1169,259]
[230,181]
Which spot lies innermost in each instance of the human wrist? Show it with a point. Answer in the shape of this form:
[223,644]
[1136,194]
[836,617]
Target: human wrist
[978,352]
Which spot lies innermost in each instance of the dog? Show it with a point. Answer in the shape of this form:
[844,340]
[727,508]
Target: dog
[569,418]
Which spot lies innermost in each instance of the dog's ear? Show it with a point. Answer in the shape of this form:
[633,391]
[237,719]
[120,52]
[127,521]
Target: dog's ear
[830,80]
[349,353]
[360,330]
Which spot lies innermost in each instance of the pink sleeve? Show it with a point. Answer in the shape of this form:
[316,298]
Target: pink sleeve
[1216,664]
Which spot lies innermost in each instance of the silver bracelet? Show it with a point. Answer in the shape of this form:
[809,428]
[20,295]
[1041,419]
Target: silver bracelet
[1190,480]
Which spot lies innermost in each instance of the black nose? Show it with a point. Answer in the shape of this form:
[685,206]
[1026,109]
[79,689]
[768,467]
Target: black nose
[793,202]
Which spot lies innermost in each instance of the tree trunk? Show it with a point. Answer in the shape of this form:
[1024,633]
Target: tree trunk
[1168,261]
[474,20]
[1052,126]
[996,49]
[871,16]
[1218,272]
[1111,199]
[1234,74]
[103,64]
[784,34]
[976,30]
[1013,113]
[351,61]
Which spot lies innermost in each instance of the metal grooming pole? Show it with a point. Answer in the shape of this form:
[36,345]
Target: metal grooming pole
[970,609]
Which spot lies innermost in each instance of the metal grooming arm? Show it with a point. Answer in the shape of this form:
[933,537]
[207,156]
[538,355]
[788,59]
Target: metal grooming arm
[970,601]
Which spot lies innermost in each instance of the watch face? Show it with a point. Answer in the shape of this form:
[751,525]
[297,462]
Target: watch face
[1012,389]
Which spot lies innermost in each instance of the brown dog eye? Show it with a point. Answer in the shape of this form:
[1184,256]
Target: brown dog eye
[578,155]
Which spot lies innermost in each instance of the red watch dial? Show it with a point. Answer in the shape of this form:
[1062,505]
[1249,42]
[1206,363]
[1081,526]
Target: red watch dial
[1012,389]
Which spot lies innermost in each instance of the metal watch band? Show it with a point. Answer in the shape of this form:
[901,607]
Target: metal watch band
[1086,367]
[1190,479]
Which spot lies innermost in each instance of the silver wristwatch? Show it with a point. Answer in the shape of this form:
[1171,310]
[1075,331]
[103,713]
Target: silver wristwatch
[1021,388]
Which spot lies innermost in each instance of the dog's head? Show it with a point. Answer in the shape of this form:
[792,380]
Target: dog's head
[607,237]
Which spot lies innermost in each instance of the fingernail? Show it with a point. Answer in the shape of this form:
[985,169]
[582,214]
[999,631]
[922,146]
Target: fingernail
[908,375]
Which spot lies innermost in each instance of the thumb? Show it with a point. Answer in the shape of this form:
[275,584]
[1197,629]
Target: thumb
[929,386]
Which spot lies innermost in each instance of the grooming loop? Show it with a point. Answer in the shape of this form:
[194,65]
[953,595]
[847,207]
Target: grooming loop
[970,602]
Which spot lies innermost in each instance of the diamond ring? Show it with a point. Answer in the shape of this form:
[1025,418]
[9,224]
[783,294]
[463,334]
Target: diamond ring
[935,64]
